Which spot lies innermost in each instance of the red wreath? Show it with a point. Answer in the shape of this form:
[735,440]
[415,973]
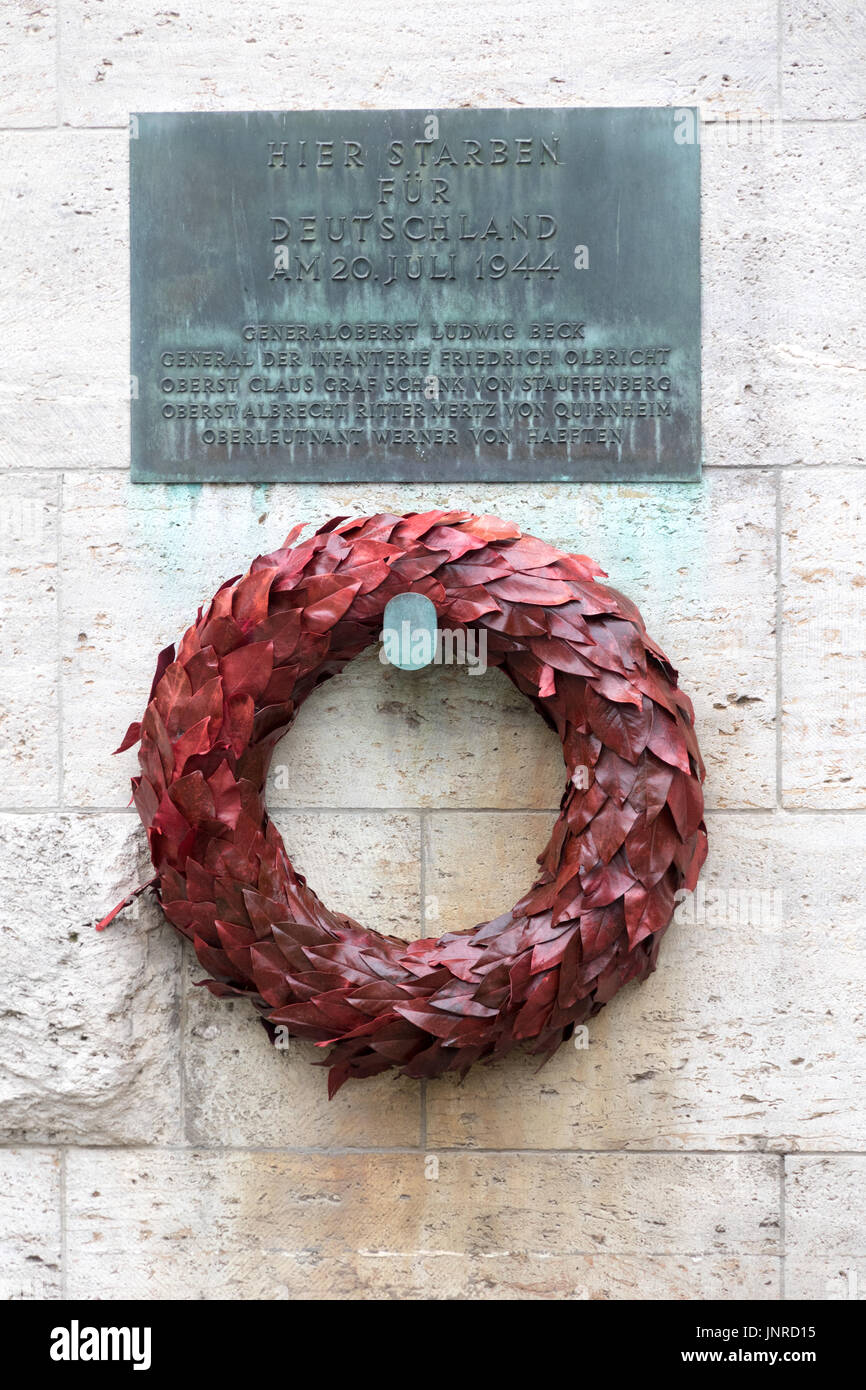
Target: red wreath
[629,835]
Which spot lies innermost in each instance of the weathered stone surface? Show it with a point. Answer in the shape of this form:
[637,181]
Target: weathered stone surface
[431,736]
[823,76]
[721,56]
[64,300]
[478,863]
[825,1227]
[782,356]
[89,1020]
[242,1090]
[28,88]
[823,651]
[748,1034]
[736,168]
[30,1224]
[699,561]
[271,1225]
[29,683]
[366,865]
[533,1277]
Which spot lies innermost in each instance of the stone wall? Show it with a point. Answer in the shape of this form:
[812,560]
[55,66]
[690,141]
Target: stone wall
[710,1141]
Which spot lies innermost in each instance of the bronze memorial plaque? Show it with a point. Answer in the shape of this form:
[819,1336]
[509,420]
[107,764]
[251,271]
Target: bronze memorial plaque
[416,295]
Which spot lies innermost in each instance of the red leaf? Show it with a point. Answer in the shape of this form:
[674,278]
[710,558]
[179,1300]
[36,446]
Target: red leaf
[686,802]
[321,616]
[163,661]
[250,599]
[647,910]
[237,728]
[607,882]
[526,588]
[547,683]
[132,735]
[555,651]
[651,846]
[666,740]
[284,630]
[172,694]
[223,634]
[615,775]
[489,528]
[195,740]
[600,927]
[620,727]
[247,670]
[192,796]
[206,703]
[609,828]
[651,785]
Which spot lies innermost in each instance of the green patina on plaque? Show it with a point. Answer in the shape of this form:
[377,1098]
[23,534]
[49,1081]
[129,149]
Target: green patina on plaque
[416,295]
